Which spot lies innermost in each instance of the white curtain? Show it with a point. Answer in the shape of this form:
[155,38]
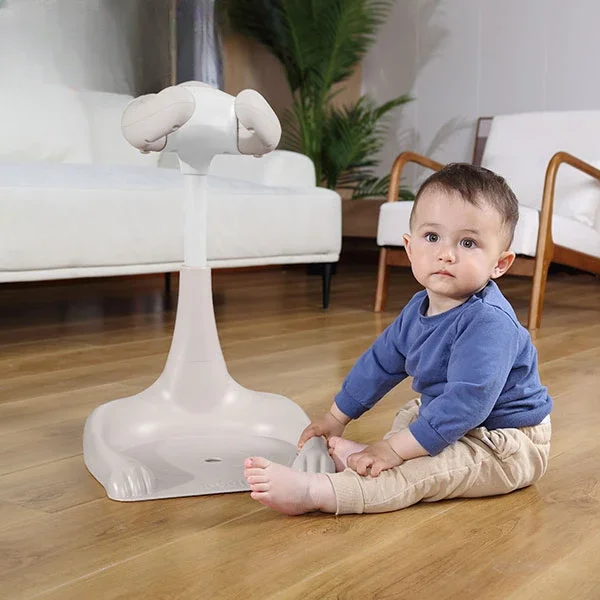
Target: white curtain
[199,54]
[109,45]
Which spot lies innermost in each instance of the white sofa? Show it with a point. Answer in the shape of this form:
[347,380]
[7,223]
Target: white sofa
[77,201]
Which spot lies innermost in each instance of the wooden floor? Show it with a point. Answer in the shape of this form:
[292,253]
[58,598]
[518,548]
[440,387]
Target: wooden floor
[68,347]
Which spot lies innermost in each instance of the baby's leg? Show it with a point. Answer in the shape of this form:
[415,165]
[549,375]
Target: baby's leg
[286,490]
[451,473]
[340,449]
[483,463]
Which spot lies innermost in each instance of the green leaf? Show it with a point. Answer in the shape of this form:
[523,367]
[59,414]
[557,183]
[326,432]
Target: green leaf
[319,44]
[352,137]
[374,187]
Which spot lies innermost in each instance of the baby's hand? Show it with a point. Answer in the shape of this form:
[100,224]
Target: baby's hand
[374,458]
[326,426]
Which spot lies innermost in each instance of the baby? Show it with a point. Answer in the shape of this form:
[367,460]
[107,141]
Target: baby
[481,424]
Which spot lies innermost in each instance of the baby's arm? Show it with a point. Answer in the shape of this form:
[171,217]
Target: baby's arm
[405,445]
[332,423]
[480,363]
[380,368]
[376,371]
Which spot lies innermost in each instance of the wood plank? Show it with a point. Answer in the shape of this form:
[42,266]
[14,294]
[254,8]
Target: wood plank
[70,346]
[492,544]
[206,565]
[12,513]
[559,583]
[38,411]
[51,549]
[576,339]
[51,487]
[41,445]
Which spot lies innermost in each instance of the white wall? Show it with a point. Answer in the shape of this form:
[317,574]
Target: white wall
[462,59]
[110,45]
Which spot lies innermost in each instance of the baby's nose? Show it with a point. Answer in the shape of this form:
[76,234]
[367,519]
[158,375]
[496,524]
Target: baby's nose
[446,254]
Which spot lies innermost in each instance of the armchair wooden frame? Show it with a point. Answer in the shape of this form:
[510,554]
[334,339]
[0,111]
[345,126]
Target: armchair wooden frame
[546,250]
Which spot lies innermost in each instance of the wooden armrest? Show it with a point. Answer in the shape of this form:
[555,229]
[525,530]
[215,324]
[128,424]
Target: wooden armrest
[555,162]
[565,157]
[545,233]
[401,160]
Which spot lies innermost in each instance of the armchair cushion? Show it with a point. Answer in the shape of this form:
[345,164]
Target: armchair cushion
[541,134]
[577,195]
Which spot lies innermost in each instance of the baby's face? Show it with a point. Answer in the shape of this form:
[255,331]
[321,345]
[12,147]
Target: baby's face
[455,247]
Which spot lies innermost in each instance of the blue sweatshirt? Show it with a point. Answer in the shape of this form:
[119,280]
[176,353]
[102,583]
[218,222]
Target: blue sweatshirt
[473,365]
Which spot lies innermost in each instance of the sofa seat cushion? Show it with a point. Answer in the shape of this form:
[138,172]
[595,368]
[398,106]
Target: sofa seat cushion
[129,219]
[394,222]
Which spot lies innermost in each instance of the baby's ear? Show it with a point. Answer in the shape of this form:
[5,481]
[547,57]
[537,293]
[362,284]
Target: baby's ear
[504,263]
[406,238]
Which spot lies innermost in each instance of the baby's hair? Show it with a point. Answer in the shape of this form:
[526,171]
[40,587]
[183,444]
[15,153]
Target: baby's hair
[476,185]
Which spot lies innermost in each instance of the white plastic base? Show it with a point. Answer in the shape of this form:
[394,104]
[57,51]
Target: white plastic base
[189,433]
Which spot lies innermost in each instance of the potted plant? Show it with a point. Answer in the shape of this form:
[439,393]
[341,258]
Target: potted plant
[320,43]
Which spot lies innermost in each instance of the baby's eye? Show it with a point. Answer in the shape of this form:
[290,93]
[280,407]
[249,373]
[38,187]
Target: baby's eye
[432,237]
[468,243]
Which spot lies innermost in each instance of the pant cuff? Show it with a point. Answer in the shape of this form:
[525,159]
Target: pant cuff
[348,493]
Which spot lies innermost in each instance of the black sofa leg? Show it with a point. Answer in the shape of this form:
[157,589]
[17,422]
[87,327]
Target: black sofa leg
[327,274]
[167,284]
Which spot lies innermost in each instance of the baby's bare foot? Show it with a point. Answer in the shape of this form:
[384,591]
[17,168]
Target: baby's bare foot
[340,449]
[286,490]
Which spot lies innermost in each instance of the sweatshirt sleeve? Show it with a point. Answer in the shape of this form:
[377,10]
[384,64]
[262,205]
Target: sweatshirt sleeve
[480,362]
[375,373]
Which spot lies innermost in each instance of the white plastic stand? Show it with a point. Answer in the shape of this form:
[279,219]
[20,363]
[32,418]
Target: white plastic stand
[189,433]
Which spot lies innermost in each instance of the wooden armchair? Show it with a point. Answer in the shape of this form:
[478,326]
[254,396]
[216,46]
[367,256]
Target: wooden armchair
[538,227]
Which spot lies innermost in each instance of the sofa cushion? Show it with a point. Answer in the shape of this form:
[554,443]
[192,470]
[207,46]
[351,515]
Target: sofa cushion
[99,219]
[576,196]
[43,123]
[394,221]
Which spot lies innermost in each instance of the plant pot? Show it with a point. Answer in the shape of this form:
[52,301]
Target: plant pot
[360,217]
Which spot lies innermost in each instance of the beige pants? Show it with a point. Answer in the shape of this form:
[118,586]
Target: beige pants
[482,463]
